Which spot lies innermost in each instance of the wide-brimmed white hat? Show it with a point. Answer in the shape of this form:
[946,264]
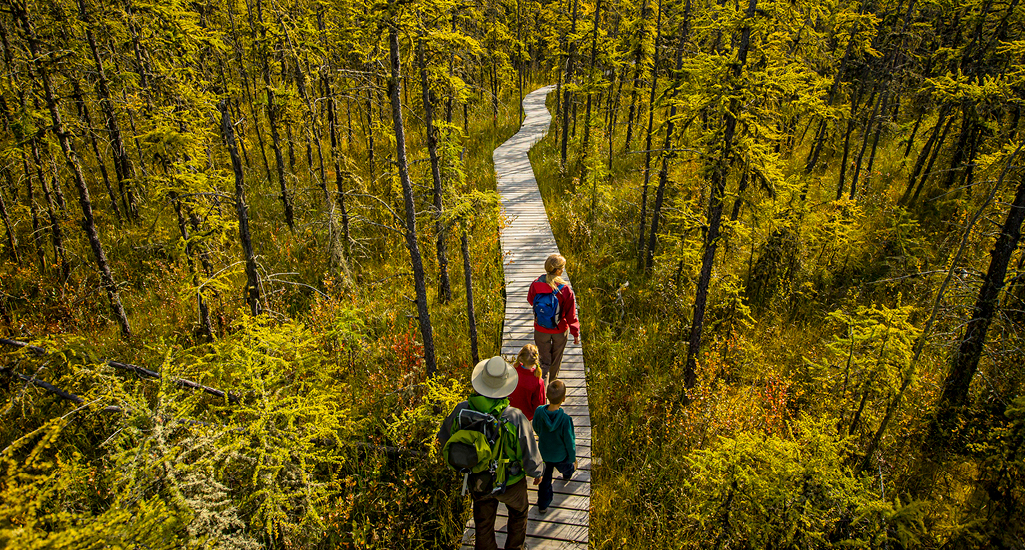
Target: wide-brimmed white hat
[494,378]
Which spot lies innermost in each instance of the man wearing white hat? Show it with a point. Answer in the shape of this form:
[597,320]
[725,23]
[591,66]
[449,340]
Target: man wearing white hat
[493,380]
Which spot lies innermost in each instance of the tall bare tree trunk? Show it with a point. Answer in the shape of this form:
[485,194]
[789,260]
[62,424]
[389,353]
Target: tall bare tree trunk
[88,223]
[965,362]
[720,171]
[444,286]
[12,241]
[83,111]
[663,175]
[204,311]
[638,68]
[37,234]
[587,110]
[252,292]
[56,233]
[471,316]
[647,139]
[123,168]
[419,280]
[571,55]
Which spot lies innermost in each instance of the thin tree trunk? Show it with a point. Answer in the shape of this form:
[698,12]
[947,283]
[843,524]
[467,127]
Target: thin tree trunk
[924,154]
[914,133]
[252,291]
[204,310]
[720,171]
[875,142]
[83,111]
[647,139]
[444,286]
[370,136]
[471,316]
[846,151]
[966,360]
[663,175]
[744,178]
[12,241]
[864,144]
[56,233]
[123,169]
[937,147]
[336,155]
[419,279]
[571,54]
[967,129]
[587,111]
[88,223]
[638,67]
[272,121]
[37,232]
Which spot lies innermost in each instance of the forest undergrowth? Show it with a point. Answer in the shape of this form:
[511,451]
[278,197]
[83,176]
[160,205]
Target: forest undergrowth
[814,312]
[326,437]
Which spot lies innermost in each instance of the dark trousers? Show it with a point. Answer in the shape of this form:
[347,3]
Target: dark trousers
[544,491]
[485,508]
[550,348]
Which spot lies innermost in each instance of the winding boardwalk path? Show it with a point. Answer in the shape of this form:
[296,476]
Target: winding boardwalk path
[526,241]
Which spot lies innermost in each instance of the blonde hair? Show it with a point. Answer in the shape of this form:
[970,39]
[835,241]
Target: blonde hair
[528,356]
[556,392]
[554,263]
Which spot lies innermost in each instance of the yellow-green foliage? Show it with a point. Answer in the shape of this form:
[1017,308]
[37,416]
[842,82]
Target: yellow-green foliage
[788,491]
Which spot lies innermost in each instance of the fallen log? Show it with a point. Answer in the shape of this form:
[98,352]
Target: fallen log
[180,382]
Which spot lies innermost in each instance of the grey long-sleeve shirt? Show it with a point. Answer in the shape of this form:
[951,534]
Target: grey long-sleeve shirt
[532,464]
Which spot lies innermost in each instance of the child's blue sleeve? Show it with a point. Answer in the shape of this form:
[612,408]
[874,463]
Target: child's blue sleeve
[571,447]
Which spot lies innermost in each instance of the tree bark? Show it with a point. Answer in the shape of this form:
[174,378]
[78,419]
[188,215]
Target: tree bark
[123,169]
[663,175]
[720,171]
[419,280]
[471,316]
[204,311]
[587,110]
[63,138]
[83,111]
[924,154]
[965,362]
[444,286]
[56,233]
[638,67]
[932,160]
[252,292]
[647,139]
[37,233]
[571,54]
[12,241]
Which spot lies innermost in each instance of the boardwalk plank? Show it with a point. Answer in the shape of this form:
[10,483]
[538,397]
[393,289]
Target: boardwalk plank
[543,529]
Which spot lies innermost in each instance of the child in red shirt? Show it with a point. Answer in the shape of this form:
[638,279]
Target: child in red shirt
[530,390]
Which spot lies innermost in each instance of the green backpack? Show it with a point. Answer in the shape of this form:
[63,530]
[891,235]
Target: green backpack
[482,446]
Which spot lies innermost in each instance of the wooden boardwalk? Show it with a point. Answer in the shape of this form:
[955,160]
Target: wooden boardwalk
[527,241]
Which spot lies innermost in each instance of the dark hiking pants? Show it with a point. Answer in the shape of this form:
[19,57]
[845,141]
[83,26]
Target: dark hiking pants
[545,494]
[485,508]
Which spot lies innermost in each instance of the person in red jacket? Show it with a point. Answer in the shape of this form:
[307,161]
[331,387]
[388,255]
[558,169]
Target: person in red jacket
[551,332]
[530,389]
